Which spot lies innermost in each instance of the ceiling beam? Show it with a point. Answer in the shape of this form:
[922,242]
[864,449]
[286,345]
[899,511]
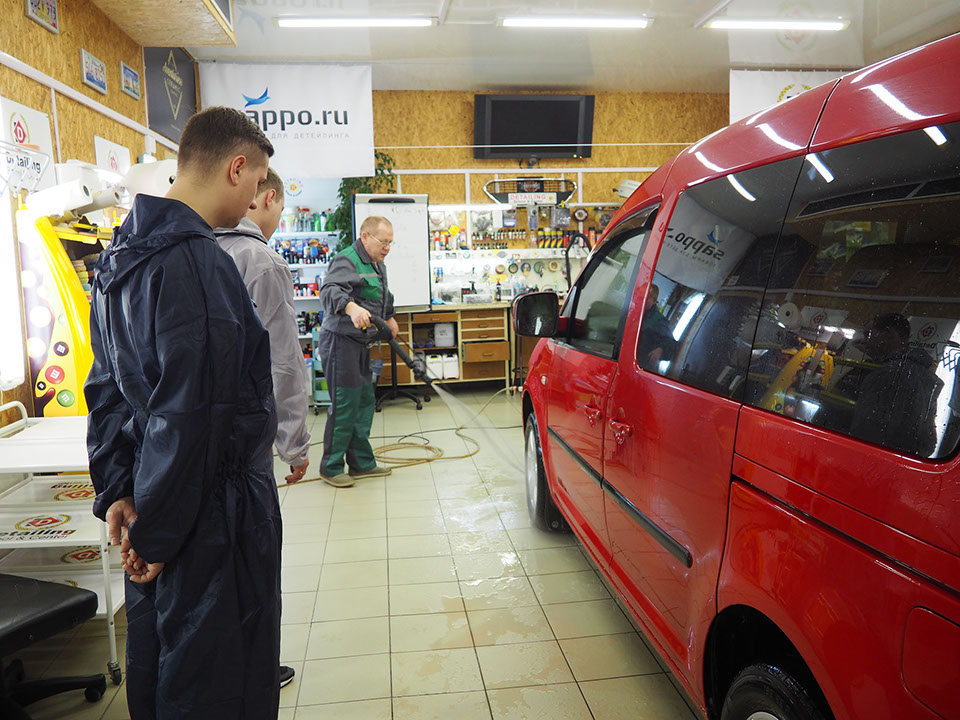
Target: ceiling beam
[710,15]
[442,12]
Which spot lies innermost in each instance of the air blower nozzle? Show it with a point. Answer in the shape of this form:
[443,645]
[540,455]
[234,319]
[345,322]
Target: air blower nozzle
[379,331]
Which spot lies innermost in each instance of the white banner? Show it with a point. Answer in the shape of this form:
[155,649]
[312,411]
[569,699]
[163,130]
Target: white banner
[318,117]
[753,90]
[111,156]
[702,252]
[24,127]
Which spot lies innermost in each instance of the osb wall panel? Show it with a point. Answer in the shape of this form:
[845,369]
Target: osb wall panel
[18,88]
[76,134]
[477,182]
[442,189]
[442,118]
[165,153]
[83,25]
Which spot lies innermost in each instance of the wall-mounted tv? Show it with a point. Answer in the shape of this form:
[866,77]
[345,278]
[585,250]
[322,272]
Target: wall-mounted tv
[523,126]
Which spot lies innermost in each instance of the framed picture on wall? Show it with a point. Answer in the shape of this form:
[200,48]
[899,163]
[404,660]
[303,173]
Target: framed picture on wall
[94,71]
[129,80]
[45,13]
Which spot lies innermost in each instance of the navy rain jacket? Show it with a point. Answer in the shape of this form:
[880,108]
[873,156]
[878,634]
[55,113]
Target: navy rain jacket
[182,419]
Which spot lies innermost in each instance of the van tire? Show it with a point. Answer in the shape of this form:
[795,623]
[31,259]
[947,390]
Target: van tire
[767,689]
[544,513]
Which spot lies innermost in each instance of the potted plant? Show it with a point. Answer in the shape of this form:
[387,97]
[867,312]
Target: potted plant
[341,219]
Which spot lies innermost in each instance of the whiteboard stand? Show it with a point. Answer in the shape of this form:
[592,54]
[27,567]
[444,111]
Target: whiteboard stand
[408,263]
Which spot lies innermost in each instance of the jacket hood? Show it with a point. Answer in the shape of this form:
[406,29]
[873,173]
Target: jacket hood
[153,224]
[246,228]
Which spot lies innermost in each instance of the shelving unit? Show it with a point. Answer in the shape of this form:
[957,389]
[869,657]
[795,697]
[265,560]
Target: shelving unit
[46,519]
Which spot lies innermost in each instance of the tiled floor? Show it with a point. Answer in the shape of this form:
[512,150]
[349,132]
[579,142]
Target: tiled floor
[428,595]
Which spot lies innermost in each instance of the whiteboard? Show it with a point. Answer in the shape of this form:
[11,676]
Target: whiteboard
[408,263]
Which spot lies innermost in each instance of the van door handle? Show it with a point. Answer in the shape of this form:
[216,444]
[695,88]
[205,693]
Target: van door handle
[592,413]
[621,431]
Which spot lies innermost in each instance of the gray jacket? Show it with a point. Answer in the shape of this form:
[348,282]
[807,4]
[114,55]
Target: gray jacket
[270,285]
[343,283]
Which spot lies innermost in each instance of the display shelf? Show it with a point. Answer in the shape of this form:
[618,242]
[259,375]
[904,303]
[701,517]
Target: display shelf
[50,491]
[314,298]
[301,266]
[302,235]
[48,521]
[85,578]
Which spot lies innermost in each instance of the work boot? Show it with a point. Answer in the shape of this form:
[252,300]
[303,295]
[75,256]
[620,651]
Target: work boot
[375,471]
[338,481]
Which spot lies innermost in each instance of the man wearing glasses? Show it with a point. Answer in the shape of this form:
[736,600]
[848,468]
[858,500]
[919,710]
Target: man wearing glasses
[354,288]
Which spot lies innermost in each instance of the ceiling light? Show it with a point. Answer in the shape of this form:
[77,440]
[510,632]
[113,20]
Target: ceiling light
[337,22]
[728,23]
[634,23]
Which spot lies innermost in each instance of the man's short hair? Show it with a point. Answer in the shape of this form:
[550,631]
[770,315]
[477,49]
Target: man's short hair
[374,223]
[895,322]
[217,134]
[273,182]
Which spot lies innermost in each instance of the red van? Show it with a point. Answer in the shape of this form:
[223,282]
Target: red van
[748,407]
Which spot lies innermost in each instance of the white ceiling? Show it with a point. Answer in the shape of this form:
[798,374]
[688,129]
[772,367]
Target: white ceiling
[469,50]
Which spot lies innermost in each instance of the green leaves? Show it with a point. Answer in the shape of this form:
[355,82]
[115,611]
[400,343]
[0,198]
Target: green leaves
[383,181]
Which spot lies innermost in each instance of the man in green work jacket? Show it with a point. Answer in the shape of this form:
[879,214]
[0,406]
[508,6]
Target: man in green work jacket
[354,288]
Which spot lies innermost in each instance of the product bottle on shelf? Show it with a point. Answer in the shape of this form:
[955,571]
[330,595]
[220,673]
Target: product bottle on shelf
[497,293]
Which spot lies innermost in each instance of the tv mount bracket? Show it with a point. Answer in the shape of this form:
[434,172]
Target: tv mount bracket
[530,191]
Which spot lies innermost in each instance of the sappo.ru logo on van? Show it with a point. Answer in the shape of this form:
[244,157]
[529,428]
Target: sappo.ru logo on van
[283,120]
[693,245]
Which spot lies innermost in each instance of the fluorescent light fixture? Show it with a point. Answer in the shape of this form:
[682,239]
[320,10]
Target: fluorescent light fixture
[820,167]
[588,23]
[339,22]
[936,134]
[729,23]
[740,188]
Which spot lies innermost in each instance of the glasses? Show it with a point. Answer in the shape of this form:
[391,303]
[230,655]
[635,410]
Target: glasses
[385,244]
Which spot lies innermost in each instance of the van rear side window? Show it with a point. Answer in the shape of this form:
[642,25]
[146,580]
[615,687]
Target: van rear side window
[714,262]
[865,340]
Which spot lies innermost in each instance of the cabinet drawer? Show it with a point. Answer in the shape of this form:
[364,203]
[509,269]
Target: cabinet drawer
[432,317]
[482,323]
[482,370]
[485,351]
[479,314]
[404,376]
[483,334]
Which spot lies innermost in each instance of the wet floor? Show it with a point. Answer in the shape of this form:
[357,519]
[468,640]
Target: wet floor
[428,595]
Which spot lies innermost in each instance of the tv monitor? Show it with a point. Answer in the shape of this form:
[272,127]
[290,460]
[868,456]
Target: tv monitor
[523,126]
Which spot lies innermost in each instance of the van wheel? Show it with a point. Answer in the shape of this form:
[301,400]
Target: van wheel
[765,692]
[543,512]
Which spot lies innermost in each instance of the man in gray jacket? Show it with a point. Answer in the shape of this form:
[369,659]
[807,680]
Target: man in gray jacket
[270,285]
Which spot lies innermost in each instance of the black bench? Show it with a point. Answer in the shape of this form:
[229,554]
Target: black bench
[30,611]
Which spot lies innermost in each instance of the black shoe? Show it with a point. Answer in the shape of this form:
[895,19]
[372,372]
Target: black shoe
[286,675]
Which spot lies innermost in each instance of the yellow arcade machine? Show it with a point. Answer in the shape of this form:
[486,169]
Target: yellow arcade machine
[57,254]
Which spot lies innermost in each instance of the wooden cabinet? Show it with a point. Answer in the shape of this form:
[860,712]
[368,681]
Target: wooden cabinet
[483,344]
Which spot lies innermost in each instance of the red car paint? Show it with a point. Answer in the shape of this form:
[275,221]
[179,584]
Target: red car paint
[851,550]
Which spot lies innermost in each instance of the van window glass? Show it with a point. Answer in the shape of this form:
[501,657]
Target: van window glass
[599,300]
[866,338]
[714,261]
